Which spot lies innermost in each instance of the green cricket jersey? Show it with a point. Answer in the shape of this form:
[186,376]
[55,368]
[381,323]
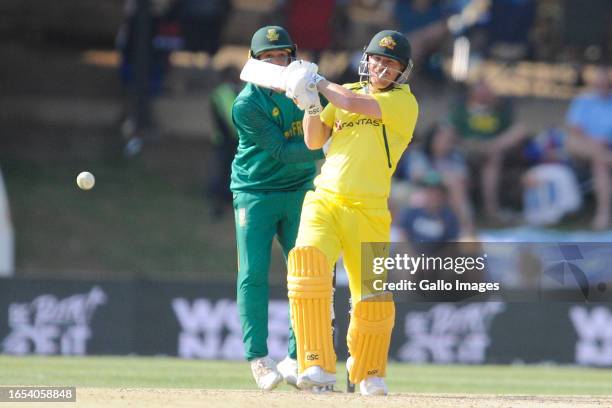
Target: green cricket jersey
[271,152]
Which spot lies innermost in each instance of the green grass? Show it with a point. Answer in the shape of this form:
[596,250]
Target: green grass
[147,217]
[135,222]
[176,373]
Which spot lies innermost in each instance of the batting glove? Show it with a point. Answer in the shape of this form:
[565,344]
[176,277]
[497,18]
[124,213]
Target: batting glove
[300,65]
[298,82]
[296,70]
[315,108]
[308,101]
[314,104]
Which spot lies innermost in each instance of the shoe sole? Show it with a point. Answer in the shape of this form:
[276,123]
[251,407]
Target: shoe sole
[323,390]
[274,385]
[308,384]
[375,394]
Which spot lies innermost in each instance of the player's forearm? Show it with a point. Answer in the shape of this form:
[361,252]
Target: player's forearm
[348,100]
[335,94]
[315,135]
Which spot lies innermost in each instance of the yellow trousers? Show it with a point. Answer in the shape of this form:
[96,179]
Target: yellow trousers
[360,230]
[338,225]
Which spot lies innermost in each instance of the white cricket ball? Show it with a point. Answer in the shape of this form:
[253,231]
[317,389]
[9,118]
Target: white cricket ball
[85,180]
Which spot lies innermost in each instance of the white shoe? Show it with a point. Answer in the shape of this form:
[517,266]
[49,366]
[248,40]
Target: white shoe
[349,364]
[373,386]
[370,386]
[288,368]
[315,376]
[265,374]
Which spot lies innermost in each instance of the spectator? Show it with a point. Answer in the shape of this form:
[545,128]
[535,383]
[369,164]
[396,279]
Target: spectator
[589,120]
[424,22]
[440,155]
[429,227]
[487,133]
[429,24]
[432,221]
[550,187]
[145,39]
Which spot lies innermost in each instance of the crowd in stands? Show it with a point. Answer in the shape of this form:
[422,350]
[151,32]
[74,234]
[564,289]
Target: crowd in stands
[479,144]
[485,164]
[478,165]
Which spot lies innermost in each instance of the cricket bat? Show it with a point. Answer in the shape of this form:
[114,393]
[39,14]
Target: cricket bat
[269,75]
[264,74]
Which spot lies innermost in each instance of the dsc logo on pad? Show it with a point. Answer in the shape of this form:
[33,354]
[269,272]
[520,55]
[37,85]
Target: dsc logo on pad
[310,356]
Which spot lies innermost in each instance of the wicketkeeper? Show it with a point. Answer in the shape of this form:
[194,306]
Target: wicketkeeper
[367,126]
[271,173]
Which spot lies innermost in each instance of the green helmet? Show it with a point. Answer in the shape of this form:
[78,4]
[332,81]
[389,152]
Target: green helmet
[271,38]
[391,44]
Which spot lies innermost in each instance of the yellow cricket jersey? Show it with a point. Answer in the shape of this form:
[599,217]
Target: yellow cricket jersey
[364,151]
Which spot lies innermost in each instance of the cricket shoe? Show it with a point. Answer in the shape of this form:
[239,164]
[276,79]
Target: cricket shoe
[372,385]
[265,373]
[315,376]
[323,390]
[288,368]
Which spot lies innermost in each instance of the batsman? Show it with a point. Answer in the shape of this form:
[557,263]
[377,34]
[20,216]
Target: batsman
[271,172]
[366,126]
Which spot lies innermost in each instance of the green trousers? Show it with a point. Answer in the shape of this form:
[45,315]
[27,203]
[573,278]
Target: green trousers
[259,217]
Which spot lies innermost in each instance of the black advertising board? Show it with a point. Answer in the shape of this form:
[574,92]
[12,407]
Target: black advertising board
[200,320]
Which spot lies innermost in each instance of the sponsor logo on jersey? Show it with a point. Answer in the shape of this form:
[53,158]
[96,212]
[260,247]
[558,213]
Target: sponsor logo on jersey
[339,125]
[295,130]
[275,111]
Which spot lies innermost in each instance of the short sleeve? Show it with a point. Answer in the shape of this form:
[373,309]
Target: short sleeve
[328,115]
[399,110]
